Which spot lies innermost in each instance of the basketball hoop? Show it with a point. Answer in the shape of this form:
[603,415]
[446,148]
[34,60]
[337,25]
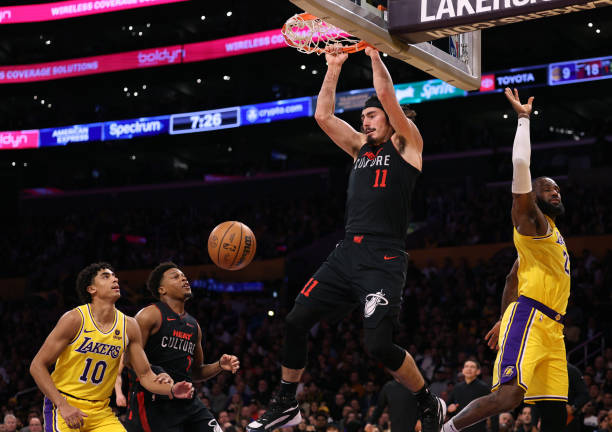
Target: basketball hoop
[309,34]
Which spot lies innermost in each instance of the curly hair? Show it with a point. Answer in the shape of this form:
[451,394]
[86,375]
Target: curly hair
[86,277]
[156,276]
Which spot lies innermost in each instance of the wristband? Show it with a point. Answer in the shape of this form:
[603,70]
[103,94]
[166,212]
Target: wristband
[172,391]
[220,367]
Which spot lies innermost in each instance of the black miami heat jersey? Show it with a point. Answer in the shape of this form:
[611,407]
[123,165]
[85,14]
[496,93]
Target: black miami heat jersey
[379,194]
[173,346]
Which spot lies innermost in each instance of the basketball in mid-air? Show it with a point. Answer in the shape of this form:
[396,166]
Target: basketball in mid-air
[231,245]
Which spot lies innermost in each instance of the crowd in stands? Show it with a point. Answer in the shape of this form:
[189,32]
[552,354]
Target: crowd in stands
[448,308]
[43,246]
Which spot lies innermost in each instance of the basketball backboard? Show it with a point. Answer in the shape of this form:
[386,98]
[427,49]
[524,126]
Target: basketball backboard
[370,24]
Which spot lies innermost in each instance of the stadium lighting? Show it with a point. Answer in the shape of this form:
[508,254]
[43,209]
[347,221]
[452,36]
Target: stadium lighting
[229,13]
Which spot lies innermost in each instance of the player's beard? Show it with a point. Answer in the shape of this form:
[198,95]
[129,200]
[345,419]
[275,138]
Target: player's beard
[371,140]
[550,209]
[188,295]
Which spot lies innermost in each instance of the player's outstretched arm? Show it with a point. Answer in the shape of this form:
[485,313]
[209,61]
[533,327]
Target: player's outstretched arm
[140,363]
[509,295]
[64,332]
[203,372]
[340,132]
[526,216]
[403,126]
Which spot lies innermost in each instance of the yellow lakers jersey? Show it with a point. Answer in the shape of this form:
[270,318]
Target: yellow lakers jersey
[544,268]
[87,368]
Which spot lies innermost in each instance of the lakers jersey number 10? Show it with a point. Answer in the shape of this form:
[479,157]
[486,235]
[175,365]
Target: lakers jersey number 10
[87,368]
[544,268]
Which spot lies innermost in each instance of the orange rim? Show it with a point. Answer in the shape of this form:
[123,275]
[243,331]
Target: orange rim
[358,46]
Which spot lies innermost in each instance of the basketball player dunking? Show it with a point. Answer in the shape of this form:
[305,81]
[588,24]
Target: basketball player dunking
[531,362]
[369,266]
[173,342]
[86,346]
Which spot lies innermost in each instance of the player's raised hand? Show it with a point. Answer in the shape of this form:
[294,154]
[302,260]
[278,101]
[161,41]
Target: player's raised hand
[163,378]
[182,390]
[229,363]
[74,417]
[371,51]
[523,110]
[334,56]
[492,337]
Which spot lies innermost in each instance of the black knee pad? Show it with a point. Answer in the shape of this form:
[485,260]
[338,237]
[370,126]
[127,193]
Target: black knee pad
[379,344]
[553,415]
[297,324]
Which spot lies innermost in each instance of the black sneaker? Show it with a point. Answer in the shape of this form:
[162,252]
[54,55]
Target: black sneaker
[282,412]
[432,415]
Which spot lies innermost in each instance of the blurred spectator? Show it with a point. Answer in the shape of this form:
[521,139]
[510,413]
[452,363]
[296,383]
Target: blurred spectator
[34,425]
[506,422]
[524,422]
[10,423]
[464,393]
[401,404]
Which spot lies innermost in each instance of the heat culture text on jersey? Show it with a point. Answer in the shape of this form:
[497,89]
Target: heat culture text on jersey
[371,160]
[379,192]
[179,341]
[89,346]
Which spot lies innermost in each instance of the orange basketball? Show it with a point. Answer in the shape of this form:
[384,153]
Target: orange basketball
[231,245]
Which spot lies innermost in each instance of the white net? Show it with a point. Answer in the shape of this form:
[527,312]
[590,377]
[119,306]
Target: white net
[309,34]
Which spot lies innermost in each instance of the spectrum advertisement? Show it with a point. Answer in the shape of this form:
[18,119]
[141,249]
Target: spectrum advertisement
[274,111]
[70,9]
[133,128]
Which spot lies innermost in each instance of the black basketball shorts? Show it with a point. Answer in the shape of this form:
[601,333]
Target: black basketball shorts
[164,415]
[362,270]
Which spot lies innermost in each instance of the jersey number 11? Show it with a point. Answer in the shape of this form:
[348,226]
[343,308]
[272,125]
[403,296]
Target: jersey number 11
[383,181]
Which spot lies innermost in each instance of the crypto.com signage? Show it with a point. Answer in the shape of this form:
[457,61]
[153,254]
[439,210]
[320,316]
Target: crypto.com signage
[169,55]
[424,20]
[70,9]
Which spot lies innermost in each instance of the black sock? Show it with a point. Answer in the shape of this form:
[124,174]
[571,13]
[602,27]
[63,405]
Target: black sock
[288,389]
[423,396]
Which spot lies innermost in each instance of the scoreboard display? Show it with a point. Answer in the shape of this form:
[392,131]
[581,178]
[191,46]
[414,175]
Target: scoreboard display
[203,121]
[579,71]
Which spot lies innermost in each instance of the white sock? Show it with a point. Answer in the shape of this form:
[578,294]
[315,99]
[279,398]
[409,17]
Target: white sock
[449,427]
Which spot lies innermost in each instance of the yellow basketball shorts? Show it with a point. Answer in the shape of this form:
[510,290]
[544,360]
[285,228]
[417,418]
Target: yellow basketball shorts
[532,354]
[100,417]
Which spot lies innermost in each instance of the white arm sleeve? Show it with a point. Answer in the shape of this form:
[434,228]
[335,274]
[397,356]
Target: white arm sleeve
[521,156]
